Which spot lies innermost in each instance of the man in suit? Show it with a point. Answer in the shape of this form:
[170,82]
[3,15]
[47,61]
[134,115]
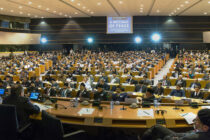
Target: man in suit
[119,95]
[23,106]
[165,81]
[201,130]
[149,96]
[140,87]
[146,81]
[159,90]
[177,92]
[115,79]
[100,94]
[197,93]
[38,83]
[83,93]
[103,77]
[103,84]
[180,81]
[130,80]
[65,92]
[49,91]
[195,83]
[207,85]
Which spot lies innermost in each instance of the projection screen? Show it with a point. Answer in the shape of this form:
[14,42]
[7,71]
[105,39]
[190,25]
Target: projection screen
[11,38]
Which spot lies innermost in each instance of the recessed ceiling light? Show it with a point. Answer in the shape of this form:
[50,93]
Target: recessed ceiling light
[72,0]
[141,8]
[29,2]
[75,13]
[120,2]
[39,6]
[54,11]
[2,8]
[99,3]
[21,13]
[92,12]
[83,7]
[182,5]
[60,13]
[29,14]
[47,9]
[88,10]
[208,2]
[20,7]
[158,11]
[141,11]
[12,11]
[142,5]
[174,11]
[65,15]
[35,16]
[186,2]
[205,13]
[178,8]
[78,4]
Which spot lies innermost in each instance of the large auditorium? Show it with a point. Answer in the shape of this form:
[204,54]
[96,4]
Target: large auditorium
[104,69]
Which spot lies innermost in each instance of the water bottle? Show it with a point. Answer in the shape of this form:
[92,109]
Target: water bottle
[76,102]
[111,104]
[1,100]
[155,103]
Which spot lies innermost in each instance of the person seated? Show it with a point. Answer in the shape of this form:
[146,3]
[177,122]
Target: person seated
[201,130]
[115,79]
[65,92]
[88,83]
[32,88]
[130,80]
[165,81]
[191,75]
[49,91]
[180,81]
[38,83]
[177,92]
[146,81]
[206,75]
[103,77]
[83,93]
[159,90]
[25,82]
[195,83]
[177,73]
[207,85]
[149,96]
[119,94]
[8,81]
[197,93]
[103,84]
[100,94]
[140,87]
[24,107]
[199,65]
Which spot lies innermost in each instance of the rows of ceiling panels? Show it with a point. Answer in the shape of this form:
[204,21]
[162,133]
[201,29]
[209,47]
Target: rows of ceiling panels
[88,8]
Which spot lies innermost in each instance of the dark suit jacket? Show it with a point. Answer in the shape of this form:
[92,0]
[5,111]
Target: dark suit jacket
[52,92]
[150,99]
[207,86]
[166,82]
[159,91]
[102,96]
[105,79]
[178,93]
[84,94]
[65,93]
[138,87]
[199,96]
[197,83]
[24,108]
[119,97]
[131,81]
[105,86]
[183,83]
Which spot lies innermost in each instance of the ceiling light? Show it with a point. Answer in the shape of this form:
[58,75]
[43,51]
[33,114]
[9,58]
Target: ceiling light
[21,13]
[12,11]
[29,2]
[174,11]
[35,16]
[70,17]
[29,14]
[54,11]
[169,15]
[208,2]
[178,8]
[158,11]
[186,2]
[120,2]
[65,15]
[83,7]
[2,8]
[42,17]
[75,13]
[182,5]
[92,12]
[47,9]
[72,0]
[99,3]
[88,10]
[141,8]
[205,13]
[78,4]
[39,6]
[60,13]
[20,7]
[142,5]
[141,11]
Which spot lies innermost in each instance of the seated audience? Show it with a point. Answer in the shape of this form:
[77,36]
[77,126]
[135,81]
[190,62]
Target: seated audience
[103,84]
[140,87]
[178,92]
[159,90]
[65,92]
[195,83]
[180,81]
[146,81]
[197,93]
[165,81]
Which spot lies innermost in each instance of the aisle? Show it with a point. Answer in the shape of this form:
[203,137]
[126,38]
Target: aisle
[163,71]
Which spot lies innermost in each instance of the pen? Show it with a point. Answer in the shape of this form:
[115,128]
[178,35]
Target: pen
[184,114]
[146,112]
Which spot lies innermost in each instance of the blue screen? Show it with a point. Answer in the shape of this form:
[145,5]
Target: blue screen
[2,91]
[119,25]
[34,96]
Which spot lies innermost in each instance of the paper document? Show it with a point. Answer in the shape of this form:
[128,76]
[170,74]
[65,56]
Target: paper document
[86,111]
[207,107]
[43,107]
[143,113]
[189,117]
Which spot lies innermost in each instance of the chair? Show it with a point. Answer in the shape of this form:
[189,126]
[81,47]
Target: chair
[9,128]
[53,129]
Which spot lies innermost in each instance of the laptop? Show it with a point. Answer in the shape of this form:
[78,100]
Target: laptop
[34,96]
[2,91]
